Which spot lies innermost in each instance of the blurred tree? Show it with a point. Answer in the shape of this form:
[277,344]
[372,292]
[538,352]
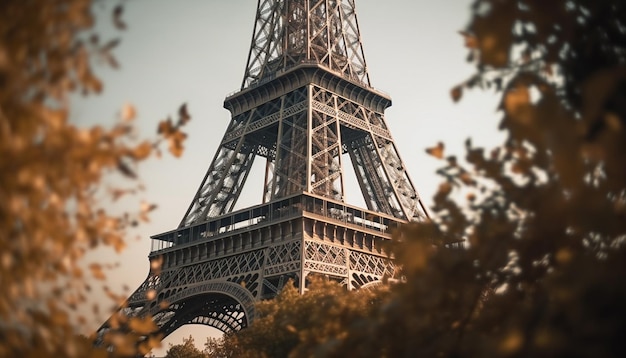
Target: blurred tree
[51,204]
[525,255]
[185,350]
[313,324]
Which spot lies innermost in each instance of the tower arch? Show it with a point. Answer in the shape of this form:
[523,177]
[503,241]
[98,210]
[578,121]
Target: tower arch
[225,306]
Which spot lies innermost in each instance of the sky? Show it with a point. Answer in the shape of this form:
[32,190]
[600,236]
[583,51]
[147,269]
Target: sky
[195,52]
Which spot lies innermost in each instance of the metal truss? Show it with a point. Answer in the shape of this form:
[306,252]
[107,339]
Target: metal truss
[370,264]
[274,284]
[304,123]
[384,181]
[215,310]
[327,259]
[218,293]
[357,268]
[185,276]
[276,130]
[226,306]
[303,135]
[283,259]
[290,32]
[221,185]
[220,289]
[381,174]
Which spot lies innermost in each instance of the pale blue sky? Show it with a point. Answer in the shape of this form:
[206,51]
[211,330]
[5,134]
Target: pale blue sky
[195,52]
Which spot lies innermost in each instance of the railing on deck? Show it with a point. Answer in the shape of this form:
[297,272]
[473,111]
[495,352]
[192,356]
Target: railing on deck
[272,212]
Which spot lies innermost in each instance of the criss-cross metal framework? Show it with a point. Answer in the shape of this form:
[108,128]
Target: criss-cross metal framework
[305,101]
[306,106]
[290,32]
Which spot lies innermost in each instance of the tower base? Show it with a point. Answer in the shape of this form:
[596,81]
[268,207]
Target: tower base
[213,272]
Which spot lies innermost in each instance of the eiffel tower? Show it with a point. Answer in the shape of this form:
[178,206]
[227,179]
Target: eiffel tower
[305,106]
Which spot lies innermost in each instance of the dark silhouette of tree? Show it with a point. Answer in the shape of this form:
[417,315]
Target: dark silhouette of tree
[185,350]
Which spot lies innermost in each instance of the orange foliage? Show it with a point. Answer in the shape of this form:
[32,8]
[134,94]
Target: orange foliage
[50,170]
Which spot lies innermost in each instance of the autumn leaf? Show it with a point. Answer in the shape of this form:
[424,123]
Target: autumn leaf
[116,194]
[128,112]
[143,325]
[456,93]
[164,304]
[470,40]
[125,169]
[111,44]
[466,178]
[445,188]
[176,140]
[437,151]
[96,271]
[493,34]
[511,343]
[183,115]
[142,151]
[145,209]
[517,104]
[165,127]
[117,18]
[156,263]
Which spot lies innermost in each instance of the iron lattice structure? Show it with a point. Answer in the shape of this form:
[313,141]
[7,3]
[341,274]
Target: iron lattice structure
[306,106]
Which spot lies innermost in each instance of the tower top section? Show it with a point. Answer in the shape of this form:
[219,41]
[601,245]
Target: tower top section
[292,32]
